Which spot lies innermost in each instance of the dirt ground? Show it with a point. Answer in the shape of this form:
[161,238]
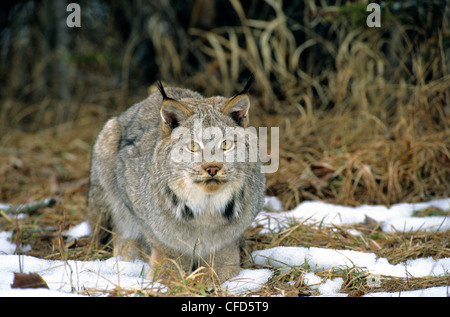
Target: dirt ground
[55,163]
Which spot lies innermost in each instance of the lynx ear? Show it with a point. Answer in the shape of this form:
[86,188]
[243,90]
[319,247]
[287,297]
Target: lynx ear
[237,108]
[172,111]
[239,105]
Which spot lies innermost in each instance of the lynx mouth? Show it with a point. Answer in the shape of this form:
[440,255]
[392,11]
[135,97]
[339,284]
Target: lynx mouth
[210,185]
[210,180]
[213,180]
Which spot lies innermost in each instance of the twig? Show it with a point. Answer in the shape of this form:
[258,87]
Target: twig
[28,208]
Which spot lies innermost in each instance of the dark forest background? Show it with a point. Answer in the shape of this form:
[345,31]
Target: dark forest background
[363,112]
[212,46]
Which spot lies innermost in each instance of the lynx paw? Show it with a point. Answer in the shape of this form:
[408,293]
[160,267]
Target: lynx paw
[226,272]
[128,249]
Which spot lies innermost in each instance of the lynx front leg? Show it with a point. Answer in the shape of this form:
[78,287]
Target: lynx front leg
[227,262]
[129,249]
[163,266]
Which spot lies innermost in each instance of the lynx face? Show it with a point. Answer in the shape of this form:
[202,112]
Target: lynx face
[207,150]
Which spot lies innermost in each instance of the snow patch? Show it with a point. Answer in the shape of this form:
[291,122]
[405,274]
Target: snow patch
[331,286]
[398,217]
[247,281]
[69,276]
[440,291]
[66,277]
[7,247]
[272,203]
[320,259]
[81,230]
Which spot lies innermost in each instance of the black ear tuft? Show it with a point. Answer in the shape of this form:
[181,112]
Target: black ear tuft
[247,85]
[161,90]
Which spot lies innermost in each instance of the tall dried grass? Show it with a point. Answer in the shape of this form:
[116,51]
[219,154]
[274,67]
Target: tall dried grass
[363,112]
[370,127]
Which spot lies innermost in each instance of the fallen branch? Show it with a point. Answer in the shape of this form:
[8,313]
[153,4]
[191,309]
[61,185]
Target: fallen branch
[28,208]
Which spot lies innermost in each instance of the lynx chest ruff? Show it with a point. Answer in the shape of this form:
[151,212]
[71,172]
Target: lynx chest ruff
[198,203]
[172,198]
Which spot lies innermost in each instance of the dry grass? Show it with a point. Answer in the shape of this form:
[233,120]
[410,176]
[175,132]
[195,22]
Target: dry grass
[356,127]
[366,125]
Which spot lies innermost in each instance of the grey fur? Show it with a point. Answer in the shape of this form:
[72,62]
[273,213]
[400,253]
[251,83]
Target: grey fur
[161,209]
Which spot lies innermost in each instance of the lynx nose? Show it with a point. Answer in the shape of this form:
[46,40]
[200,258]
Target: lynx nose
[212,170]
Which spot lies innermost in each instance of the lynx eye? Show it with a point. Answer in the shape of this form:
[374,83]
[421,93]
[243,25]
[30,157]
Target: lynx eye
[193,146]
[227,145]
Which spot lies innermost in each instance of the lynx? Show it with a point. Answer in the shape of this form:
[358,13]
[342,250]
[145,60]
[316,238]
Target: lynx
[177,214]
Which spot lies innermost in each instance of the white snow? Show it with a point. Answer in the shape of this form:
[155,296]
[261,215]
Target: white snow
[78,231]
[247,281]
[320,259]
[398,217]
[7,247]
[68,278]
[329,287]
[272,203]
[312,280]
[39,292]
[317,259]
[77,276]
[440,291]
